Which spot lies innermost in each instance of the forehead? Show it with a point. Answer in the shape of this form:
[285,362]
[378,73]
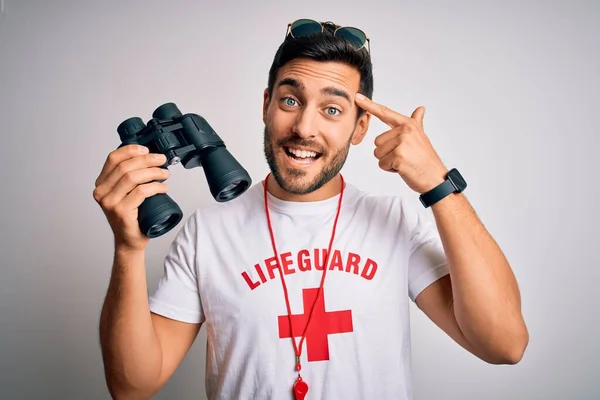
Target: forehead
[314,75]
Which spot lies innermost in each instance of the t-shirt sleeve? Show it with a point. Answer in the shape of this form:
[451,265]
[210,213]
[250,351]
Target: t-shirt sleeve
[177,295]
[427,261]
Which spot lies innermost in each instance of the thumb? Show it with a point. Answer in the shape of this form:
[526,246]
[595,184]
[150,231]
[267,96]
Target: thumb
[418,114]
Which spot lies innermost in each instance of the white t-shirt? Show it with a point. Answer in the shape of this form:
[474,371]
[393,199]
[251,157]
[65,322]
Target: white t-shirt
[220,271]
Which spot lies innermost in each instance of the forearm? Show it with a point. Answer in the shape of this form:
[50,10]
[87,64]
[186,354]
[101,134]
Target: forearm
[130,348]
[486,298]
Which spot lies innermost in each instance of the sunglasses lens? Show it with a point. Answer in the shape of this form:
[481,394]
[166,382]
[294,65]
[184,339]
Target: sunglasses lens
[353,35]
[305,27]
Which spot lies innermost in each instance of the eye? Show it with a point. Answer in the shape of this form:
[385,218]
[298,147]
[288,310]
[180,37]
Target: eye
[289,101]
[332,111]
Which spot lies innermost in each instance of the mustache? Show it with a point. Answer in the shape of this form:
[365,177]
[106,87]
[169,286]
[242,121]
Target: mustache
[290,142]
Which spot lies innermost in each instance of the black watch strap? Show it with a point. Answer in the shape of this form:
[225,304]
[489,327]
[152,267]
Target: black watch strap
[437,193]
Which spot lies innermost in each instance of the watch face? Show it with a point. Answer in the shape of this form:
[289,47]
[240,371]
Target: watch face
[457,179]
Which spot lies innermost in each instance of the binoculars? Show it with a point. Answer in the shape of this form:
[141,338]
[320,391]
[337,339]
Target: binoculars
[187,139]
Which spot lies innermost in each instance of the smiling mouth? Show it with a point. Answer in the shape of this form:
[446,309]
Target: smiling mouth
[302,156]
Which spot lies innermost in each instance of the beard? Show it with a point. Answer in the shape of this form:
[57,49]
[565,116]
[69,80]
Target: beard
[291,179]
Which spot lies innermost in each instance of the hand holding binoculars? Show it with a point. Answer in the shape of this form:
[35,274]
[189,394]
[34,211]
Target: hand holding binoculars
[187,139]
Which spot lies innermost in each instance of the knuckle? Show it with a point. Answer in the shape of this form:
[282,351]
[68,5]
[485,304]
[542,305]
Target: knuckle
[112,157]
[97,195]
[142,190]
[121,169]
[400,152]
[129,149]
[129,178]
[106,203]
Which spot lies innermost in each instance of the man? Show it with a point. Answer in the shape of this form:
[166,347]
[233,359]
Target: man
[304,282]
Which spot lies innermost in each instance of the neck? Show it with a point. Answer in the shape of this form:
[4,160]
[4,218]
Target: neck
[327,191]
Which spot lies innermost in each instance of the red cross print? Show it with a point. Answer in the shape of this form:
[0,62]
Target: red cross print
[323,323]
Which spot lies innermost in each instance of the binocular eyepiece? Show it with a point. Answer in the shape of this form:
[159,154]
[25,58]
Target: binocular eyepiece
[187,139]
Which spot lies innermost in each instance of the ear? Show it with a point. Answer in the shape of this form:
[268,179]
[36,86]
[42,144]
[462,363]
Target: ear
[362,125]
[266,101]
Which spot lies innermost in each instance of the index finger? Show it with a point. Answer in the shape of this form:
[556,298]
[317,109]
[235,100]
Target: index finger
[117,156]
[385,114]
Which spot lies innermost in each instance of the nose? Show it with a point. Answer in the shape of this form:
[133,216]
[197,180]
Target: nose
[305,125]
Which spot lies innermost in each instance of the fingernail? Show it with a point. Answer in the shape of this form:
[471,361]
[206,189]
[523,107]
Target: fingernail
[143,149]
[360,96]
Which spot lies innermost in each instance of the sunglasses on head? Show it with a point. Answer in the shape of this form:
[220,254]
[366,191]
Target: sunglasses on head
[354,36]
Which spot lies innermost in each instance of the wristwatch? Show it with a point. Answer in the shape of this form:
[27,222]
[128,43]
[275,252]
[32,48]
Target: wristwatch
[454,183]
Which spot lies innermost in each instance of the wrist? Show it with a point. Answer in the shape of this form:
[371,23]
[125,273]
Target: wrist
[123,251]
[127,260]
[433,183]
[435,179]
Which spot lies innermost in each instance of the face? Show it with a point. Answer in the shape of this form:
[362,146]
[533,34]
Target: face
[310,123]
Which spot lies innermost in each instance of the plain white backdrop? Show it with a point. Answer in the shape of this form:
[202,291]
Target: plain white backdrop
[512,97]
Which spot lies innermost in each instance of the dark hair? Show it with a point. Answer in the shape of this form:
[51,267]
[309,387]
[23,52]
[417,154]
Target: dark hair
[324,47]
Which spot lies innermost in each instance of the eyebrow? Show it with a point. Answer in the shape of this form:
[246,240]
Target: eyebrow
[328,91]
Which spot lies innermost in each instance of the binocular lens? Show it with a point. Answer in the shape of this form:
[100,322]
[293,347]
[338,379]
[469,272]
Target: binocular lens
[232,190]
[158,215]
[163,226]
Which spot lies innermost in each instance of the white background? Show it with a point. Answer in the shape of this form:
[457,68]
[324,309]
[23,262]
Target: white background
[512,97]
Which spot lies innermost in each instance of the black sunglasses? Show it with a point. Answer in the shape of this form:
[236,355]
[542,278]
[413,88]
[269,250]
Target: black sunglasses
[354,36]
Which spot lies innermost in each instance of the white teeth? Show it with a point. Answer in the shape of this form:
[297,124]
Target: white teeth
[302,153]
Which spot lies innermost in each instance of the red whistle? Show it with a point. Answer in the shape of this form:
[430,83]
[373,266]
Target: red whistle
[300,389]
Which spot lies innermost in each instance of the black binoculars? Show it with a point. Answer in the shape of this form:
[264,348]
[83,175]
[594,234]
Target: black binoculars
[187,139]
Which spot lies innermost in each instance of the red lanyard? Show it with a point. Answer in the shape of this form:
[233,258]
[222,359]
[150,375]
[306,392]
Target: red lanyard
[300,386]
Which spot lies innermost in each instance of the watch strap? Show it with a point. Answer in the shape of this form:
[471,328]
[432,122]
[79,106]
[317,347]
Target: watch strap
[437,193]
